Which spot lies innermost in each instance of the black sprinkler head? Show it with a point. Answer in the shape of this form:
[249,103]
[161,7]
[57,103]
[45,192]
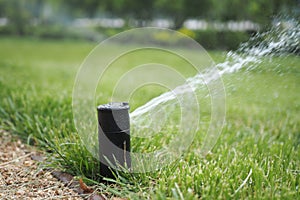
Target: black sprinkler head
[114,137]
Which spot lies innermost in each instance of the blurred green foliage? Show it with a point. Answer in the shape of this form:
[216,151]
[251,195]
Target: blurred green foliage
[226,40]
[49,19]
[19,12]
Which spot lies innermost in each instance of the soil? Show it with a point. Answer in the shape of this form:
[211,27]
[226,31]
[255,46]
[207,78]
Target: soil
[22,178]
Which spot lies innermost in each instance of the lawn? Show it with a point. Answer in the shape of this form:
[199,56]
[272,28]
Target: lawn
[256,157]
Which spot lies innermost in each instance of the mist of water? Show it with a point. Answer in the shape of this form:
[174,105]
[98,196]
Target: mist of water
[283,38]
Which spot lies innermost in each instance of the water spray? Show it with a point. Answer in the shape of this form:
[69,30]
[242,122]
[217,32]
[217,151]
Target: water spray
[114,137]
[113,118]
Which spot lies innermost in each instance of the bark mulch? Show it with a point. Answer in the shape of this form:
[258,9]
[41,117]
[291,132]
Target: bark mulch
[22,178]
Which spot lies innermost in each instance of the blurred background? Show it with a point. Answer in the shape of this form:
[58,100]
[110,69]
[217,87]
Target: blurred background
[214,24]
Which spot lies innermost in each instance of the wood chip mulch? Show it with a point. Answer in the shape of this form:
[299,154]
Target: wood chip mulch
[21,177]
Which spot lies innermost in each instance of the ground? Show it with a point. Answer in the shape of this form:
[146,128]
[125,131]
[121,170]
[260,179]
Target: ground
[22,178]
[256,156]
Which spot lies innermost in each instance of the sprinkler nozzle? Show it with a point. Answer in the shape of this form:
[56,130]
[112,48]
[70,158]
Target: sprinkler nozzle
[114,137]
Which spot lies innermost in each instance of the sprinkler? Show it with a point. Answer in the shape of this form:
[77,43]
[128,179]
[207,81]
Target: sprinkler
[114,137]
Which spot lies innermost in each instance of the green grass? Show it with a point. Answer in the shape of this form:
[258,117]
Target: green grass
[261,134]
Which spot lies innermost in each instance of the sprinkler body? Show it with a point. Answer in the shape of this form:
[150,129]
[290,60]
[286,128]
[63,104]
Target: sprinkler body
[114,137]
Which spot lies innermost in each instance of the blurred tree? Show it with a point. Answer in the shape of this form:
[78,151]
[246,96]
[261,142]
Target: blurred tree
[235,10]
[180,10]
[2,8]
[262,11]
[86,7]
[141,11]
[259,11]
[115,7]
[18,15]
[172,9]
[36,8]
[21,14]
